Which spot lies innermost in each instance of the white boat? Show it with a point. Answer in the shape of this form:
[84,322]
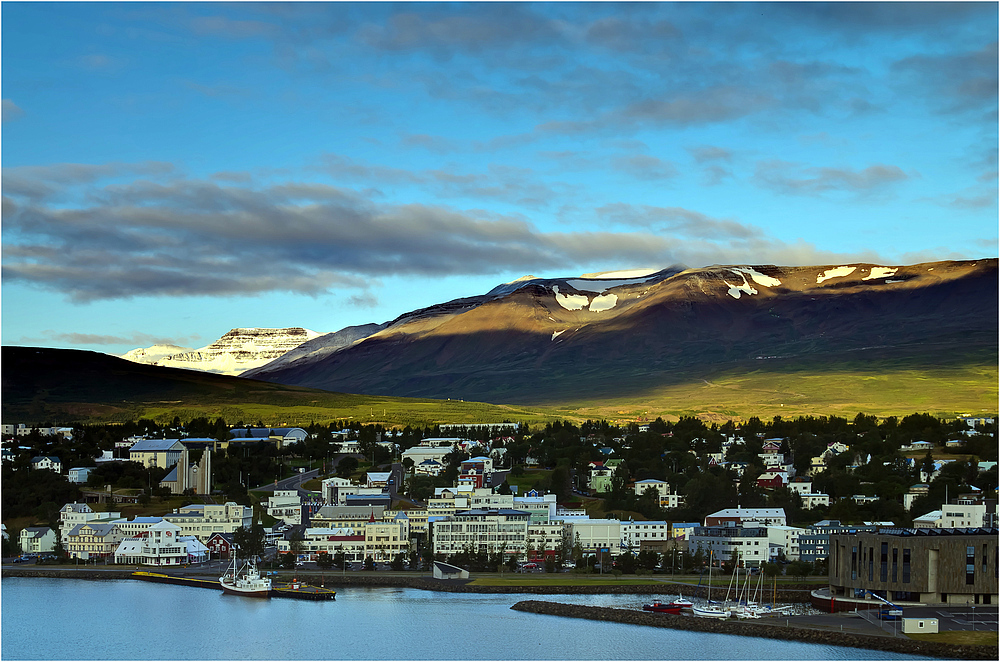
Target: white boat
[710,609]
[245,580]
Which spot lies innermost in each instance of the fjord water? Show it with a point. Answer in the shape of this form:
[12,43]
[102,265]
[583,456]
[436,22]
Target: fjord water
[68,619]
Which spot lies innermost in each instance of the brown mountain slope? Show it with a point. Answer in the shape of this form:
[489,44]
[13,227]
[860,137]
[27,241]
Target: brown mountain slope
[557,340]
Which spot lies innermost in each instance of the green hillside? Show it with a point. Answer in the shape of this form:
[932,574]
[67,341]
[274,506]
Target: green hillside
[72,386]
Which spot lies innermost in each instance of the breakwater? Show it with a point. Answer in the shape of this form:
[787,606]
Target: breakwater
[425,582]
[746,629]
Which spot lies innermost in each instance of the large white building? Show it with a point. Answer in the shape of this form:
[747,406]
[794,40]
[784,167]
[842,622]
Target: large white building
[488,530]
[635,533]
[596,536]
[161,545]
[74,514]
[202,520]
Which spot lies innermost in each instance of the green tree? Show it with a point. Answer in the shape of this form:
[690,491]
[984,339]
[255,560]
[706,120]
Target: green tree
[249,541]
[324,560]
[398,562]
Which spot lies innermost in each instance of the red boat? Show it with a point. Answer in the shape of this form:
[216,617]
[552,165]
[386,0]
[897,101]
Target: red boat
[674,607]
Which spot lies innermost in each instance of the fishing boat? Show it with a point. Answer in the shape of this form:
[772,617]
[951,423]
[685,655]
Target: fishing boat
[673,607]
[245,580]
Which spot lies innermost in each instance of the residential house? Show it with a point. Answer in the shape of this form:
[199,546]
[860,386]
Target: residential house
[916,491]
[601,474]
[477,471]
[136,526]
[79,474]
[93,540]
[37,540]
[49,462]
[771,480]
[220,545]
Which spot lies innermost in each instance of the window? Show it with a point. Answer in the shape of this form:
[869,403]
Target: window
[883,562]
[906,566]
[970,565]
[895,558]
[854,562]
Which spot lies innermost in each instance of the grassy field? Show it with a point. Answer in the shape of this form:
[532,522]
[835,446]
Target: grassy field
[959,638]
[887,390]
[86,387]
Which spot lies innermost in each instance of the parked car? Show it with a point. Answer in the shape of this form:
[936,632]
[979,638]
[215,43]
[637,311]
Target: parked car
[530,566]
[22,559]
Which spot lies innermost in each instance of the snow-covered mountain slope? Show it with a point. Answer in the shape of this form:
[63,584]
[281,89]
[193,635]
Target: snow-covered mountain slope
[153,354]
[236,352]
[320,347]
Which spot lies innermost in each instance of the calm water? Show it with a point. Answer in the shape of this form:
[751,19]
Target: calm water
[67,619]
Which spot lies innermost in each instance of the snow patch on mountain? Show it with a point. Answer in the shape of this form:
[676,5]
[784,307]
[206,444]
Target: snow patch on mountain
[570,301]
[603,302]
[839,272]
[556,334]
[881,272]
[736,291]
[759,278]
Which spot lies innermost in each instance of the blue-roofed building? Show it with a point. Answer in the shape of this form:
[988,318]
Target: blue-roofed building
[280,436]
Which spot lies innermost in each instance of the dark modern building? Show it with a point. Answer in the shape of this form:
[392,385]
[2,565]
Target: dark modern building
[951,566]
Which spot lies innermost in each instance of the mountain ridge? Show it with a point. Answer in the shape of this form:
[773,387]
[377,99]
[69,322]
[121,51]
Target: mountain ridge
[545,335]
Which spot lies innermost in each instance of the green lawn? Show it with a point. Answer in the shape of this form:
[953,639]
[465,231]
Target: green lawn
[959,637]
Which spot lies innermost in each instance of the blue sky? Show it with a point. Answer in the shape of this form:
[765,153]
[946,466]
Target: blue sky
[171,171]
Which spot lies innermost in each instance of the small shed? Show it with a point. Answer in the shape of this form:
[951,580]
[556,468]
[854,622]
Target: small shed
[920,625]
[448,571]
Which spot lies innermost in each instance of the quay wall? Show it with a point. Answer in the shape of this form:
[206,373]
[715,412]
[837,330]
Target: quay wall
[746,629]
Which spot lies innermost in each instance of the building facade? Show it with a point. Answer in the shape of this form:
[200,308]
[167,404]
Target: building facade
[950,566]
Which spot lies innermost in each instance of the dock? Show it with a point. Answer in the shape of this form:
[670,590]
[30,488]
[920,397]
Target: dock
[293,590]
[302,591]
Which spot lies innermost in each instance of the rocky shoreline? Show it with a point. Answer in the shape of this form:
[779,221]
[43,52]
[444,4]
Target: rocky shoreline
[748,629]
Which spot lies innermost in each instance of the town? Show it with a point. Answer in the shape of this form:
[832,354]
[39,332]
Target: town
[778,497]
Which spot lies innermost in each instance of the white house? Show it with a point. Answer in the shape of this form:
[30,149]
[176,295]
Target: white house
[79,474]
[37,540]
[285,505]
[49,462]
[202,520]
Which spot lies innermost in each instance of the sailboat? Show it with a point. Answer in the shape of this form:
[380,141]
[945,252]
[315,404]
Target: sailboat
[245,580]
[710,610]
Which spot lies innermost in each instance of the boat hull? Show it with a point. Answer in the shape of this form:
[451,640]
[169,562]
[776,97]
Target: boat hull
[663,609]
[246,592]
[709,613]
